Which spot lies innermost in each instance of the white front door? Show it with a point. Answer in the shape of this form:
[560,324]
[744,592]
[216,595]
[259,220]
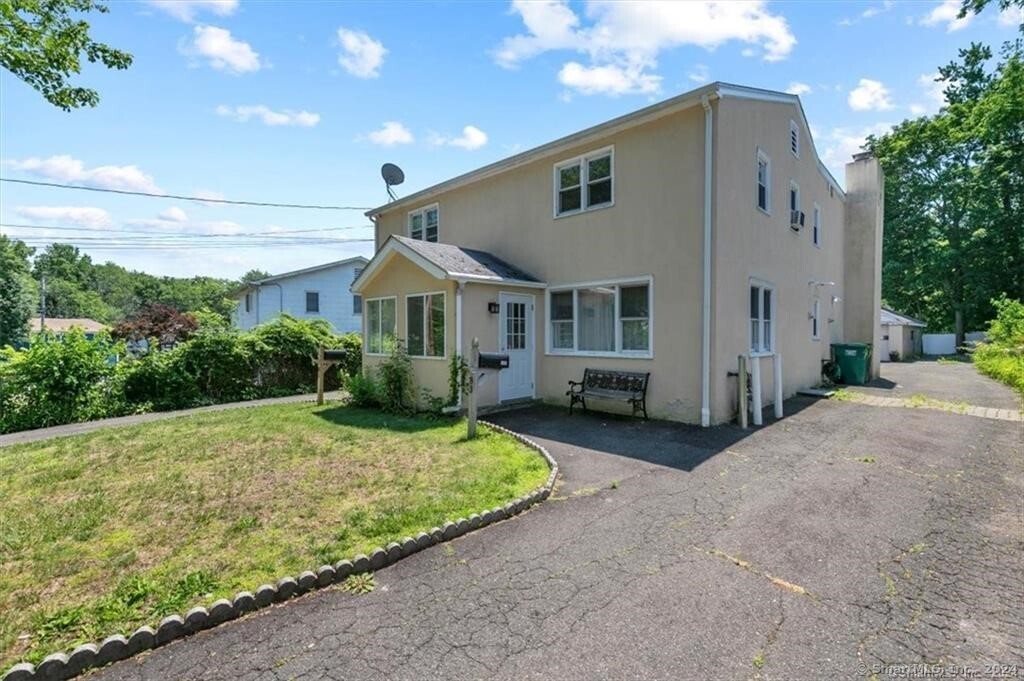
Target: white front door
[515,337]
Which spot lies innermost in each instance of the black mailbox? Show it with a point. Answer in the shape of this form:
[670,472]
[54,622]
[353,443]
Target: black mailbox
[492,360]
[335,355]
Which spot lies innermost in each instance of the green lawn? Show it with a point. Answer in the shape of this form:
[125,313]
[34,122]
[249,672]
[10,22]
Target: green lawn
[104,532]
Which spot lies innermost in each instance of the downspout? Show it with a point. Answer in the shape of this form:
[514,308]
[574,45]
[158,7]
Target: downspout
[459,288]
[705,354]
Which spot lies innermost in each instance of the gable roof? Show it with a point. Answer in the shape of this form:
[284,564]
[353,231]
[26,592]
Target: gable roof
[447,261]
[294,273]
[897,319]
[669,106]
[64,324]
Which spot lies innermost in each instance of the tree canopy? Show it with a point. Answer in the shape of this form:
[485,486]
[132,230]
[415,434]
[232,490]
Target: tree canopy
[42,44]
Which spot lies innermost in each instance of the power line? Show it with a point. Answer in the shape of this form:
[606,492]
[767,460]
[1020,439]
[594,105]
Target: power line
[282,232]
[179,197]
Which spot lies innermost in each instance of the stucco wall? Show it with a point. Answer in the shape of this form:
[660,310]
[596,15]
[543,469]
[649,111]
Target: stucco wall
[335,299]
[653,229]
[748,243]
[863,264]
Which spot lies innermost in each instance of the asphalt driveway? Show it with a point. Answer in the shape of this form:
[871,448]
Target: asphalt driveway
[827,545]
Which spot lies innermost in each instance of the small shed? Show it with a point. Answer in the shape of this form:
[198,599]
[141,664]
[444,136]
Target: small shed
[901,336]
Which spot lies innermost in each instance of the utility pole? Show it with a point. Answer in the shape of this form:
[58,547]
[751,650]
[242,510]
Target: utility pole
[42,305]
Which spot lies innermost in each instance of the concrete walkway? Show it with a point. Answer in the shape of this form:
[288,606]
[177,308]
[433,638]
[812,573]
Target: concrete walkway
[841,542]
[90,426]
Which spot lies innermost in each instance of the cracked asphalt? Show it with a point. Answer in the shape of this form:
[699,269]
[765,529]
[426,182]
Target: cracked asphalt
[837,541]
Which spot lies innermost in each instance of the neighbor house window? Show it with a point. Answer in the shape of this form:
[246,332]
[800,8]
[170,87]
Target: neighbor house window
[379,330]
[424,323]
[762,310]
[583,183]
[816,226]
[248,302]
[423,223]
[609,318]
[764,182]
[794,138]
[357,304]
[815,316]
[312,301]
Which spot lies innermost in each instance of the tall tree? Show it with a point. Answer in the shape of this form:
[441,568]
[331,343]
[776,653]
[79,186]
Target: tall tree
[43,45]
[16,291]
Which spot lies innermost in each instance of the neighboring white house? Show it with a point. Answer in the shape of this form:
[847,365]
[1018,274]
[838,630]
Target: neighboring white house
[320,292]
[900,334]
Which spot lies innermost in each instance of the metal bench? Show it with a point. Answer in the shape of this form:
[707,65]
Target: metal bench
[624,386]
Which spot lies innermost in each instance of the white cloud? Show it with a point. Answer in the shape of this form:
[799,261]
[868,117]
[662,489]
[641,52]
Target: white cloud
[174,214]
[869,95]
[70,170]
[186,226]
[222,51]
[842,143]
[623,39]
[186,10]
[799,89]
[872,11]
[946,12]
[361,56]
[918,109]
[390,134]
[268,116]
[608,80]
[471,138]
[699,74]
[1011,17]
[83,216]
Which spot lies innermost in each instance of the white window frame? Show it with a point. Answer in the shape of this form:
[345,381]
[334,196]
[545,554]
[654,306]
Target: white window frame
[645,280]
[426,322]
[789,200]
[582,162]
[248,302]
[306,302]
[422,210]
[794,139]
[366,327]
[761,156]
[816,226]
[762,286]
[815,319]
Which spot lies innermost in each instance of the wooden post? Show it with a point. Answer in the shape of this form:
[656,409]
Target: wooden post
[474,360]
[777,383]
[744,405]
[321,369]
[755,389]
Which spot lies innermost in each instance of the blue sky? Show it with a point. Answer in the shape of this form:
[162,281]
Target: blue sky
[301,102]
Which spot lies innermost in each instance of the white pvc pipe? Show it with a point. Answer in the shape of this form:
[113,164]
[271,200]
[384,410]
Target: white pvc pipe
[458,331]
[777,383]
[705,354]
[755,389]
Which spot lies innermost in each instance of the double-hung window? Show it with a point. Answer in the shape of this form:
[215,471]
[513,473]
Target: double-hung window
[379,331]
[611,318]
[816,227]
[424,323]
[423,223]
[762,310]
[584,183]
[764,182]
[312,301]
[815,319]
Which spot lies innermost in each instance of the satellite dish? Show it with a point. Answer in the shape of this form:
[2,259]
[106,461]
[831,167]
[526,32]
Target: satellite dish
[392,175]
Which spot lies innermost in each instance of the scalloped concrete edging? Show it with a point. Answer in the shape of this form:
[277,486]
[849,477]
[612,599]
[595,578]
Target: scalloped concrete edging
[59,666]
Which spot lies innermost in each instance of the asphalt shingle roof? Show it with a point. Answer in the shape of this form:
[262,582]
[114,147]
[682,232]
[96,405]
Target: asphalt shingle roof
[456,260]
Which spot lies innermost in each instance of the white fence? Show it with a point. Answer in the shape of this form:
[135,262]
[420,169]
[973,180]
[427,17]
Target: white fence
[939,343]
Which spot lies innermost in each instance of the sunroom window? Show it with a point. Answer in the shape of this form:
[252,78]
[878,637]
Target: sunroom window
[379,333]
[424,323]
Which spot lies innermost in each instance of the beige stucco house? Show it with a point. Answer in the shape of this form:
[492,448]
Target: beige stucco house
[670,240]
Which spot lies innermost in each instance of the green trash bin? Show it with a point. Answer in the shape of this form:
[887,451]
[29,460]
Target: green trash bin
[853,361]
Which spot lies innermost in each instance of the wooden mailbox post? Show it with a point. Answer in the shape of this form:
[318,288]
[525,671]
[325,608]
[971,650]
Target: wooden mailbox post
[325,359]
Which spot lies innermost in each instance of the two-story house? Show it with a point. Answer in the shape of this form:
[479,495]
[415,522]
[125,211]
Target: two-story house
[670,240]
[320,292]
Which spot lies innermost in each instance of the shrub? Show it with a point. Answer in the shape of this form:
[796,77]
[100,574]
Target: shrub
[1002,357]
[352,343]
[283,350]
[362,391]
[396,381]
[59,380]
